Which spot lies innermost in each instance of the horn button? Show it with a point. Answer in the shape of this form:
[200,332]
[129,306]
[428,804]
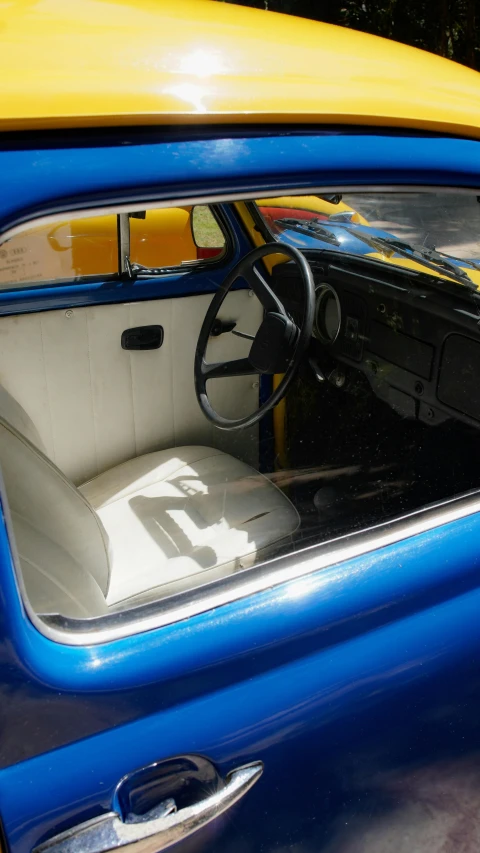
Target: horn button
[274,344]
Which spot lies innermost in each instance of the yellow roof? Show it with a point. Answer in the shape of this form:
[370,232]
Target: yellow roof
[71,63]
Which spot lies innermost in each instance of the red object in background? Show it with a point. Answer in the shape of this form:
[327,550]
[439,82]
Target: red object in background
[204,252]
[270,214]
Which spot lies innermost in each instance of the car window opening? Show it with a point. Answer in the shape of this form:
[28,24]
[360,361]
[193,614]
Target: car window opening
[363,327]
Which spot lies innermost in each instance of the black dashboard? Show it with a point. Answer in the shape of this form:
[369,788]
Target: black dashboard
[415,337]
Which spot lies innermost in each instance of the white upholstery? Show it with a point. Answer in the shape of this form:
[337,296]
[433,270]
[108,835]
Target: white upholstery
[95,404]
[136,532]
[172,514]
[61,543]
[12,412]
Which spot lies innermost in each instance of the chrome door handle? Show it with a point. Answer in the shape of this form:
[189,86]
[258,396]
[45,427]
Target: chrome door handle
[156,830]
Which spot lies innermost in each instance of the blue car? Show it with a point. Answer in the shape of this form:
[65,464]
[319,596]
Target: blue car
[239,539]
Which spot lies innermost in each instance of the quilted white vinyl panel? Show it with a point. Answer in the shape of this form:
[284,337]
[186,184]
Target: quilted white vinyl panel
[96,405]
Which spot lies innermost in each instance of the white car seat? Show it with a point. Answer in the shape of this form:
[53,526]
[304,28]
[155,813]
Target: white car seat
[137,532]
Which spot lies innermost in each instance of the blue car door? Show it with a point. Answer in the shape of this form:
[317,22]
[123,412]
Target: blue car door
[327,700]
[345,687]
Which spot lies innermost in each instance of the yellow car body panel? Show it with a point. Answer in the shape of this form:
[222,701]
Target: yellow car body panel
[83,247]
[164,238]
[407,263]
[137,62]
[89,246]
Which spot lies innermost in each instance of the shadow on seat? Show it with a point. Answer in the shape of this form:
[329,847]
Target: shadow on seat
[134,532]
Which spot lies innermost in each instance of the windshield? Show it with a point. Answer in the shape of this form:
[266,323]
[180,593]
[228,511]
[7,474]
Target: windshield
[433,232]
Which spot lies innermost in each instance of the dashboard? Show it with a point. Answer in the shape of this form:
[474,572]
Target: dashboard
[417,340]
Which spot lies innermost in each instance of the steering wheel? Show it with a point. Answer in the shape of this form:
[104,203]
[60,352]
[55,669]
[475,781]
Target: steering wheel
[277,347]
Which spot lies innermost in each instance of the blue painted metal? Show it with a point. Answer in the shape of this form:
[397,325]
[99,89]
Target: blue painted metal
[330,605]
[364,669]
[349,240]
[345,235]
[341,645]
[52,179]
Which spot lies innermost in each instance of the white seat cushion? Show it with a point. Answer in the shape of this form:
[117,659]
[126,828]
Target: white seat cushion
[175,513]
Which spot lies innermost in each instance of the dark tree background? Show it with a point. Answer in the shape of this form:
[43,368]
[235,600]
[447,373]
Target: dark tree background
[447,27]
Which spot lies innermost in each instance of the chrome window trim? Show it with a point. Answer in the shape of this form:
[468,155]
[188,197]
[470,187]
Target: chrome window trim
[281,570]
[251,581]
[123,243]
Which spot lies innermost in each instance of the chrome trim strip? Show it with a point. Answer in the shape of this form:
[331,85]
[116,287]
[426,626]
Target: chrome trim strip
[159,828]
[123,238]
[248,582]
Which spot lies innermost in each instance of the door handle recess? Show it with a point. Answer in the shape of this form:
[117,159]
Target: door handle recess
[157,829]
[142,337]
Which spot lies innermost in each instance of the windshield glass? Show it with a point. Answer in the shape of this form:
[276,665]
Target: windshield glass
[433,232]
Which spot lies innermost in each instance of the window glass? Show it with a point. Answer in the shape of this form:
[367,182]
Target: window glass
[172,236]
[206,230]
[382,416]
[71,249]
[63,251]
[398,228]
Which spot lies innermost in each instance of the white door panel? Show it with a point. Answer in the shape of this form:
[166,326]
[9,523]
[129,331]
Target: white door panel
[95,404]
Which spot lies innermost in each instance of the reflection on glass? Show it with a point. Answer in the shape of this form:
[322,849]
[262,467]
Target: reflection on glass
[62,251]
[381,419]
[172,236]
[438,232]
[71,249]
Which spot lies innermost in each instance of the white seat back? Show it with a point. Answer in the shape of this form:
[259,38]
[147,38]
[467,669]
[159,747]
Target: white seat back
[61,543]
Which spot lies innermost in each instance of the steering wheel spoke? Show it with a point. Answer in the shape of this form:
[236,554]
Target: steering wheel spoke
[219,369]
[262,290]
[278,346]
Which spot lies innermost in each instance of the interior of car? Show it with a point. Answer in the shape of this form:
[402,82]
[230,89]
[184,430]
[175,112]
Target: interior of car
[175,408]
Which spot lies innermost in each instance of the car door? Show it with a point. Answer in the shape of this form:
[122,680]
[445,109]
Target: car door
[327,700]
[97,394]
[354,688]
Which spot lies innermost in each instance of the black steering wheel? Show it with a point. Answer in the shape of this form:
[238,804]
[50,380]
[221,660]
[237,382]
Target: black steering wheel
[278,346]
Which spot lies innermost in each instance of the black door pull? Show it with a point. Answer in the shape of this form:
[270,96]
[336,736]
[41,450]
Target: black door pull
[219,327]
[142,337]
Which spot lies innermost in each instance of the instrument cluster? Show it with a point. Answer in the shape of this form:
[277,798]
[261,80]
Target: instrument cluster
[418,345]
[328,314]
